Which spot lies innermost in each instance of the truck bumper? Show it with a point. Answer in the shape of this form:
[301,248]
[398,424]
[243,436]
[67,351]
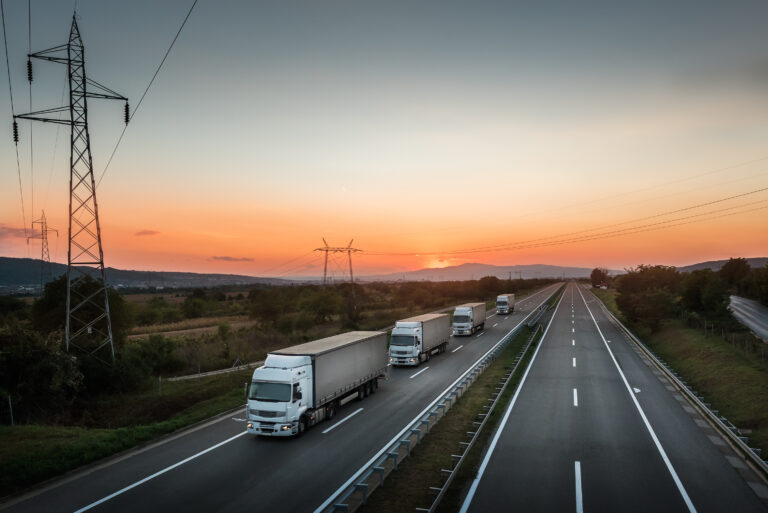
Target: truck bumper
[255,427]
[404,360]
[460,333]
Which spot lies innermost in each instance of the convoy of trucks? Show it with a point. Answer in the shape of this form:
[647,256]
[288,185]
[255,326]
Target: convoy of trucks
[468,318]
[299,386]
[505,304]
[416,339]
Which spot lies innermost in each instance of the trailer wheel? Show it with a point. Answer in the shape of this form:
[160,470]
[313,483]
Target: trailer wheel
[331,412]
[375,384]
[369,388]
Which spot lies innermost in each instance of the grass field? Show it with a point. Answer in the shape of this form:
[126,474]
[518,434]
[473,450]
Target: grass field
[735,384]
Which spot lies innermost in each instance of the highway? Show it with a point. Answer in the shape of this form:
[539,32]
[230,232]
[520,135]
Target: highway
[594,427]
[751,314]
[217,467]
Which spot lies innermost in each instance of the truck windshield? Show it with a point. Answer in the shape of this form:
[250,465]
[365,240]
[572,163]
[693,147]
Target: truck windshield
[401,340]
[501,303]
[270,392]
[459,319]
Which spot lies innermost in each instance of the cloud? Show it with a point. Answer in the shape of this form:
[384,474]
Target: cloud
[145,232]
[232,259]
[8,232]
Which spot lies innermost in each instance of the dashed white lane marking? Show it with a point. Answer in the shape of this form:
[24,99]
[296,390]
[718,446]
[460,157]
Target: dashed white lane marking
[480,335]
[736,462]
[495,325]
[573,330]
[760,489]
[573,341]
[345,419]
[575,397]
[579,504]
[422,370]
[701,423]
[716,440]
[574,361]
[636,390]
[457,348]
[238,420]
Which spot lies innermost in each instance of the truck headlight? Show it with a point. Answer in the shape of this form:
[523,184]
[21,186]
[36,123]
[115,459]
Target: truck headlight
[249,425]
[285,428]
[413,359]
[390,359]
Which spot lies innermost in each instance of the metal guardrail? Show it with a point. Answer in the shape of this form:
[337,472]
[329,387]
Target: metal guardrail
[730,431]
[355,493]
[496,397]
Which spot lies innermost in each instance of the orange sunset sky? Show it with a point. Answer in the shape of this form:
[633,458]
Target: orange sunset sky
[433,135]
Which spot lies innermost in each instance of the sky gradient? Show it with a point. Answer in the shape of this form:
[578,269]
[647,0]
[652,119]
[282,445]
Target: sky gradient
[420,129]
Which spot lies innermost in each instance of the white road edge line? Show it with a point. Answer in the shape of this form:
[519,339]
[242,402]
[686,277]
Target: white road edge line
[376,456]
[575,398]
[422,370]
[342,421]
[663,454]
[158,473]
[579,501]
[462,345]
[489,452]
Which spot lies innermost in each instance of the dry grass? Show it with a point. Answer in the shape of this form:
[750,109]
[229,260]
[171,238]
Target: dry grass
[171,328]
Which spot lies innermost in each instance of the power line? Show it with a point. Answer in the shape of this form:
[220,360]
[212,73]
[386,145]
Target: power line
[120,139]
[13,113]
[540,242]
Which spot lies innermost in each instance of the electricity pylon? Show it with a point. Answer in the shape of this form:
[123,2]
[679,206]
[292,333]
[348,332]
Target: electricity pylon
[348,250]
[45,255]
[88,324]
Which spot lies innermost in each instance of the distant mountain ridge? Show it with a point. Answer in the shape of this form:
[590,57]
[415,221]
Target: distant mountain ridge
[474,271]
[715,265]
[18,274]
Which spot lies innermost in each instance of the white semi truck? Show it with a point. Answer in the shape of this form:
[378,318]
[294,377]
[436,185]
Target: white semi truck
[299,386]
[505,304]
[468,318]
[416,339]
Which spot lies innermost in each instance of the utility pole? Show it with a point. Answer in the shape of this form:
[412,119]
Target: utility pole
[88,324]
[45,255]
[348,250]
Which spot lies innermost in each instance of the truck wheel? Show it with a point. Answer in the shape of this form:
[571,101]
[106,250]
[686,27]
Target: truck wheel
[302,426]
[427,356]
[369,388]
[375,384]
[331,412]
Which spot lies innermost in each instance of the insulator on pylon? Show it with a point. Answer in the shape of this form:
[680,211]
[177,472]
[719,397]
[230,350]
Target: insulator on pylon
[127,113]
[29,70]
[15,132]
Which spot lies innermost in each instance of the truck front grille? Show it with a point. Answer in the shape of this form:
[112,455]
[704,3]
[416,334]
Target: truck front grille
[267,414]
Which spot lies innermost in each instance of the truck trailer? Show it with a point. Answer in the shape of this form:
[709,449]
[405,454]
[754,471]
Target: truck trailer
[505,304]
[468,318]
[299,386]
[416,339]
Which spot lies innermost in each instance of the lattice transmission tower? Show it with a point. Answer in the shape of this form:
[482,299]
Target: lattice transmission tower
[329,250]
[88,324]
[45,255]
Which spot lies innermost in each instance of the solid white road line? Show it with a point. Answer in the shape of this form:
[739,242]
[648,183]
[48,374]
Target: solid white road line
[345,419]
[376,456]
[575,397]
[579,503]
[500,428]
[574,361]
[457,348]
[158,473]
[422,370]
[655,439]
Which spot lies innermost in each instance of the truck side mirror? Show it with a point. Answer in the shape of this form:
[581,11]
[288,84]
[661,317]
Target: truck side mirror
[298,396]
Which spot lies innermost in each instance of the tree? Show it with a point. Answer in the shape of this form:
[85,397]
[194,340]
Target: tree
[734,272]
[41,378]
[648,294]
[599,277]
[703,291]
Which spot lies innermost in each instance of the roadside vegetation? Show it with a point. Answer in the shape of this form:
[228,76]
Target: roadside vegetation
[684,318]
[70,409]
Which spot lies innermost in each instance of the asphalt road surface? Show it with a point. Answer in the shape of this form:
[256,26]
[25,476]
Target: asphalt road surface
[218,467]
[595,428]
[751,314]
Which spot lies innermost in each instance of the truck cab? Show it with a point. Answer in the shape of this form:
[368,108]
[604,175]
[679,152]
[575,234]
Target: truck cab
[405,344]
[279,395]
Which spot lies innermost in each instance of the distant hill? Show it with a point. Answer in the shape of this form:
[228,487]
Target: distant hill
[477,271]
[19,274]
[715,265]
